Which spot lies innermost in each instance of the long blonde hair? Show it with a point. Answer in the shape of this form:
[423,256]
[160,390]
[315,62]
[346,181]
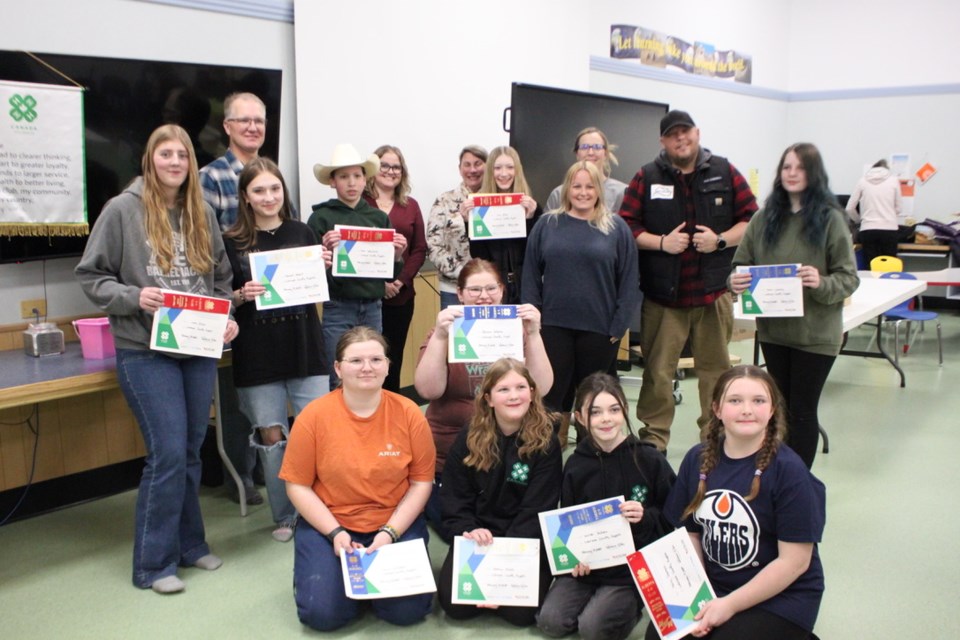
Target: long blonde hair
[194,227]
[536,428]
[402,190]
[601,217]
[519,181]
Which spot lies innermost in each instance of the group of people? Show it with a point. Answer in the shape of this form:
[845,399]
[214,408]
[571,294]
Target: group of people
[362,467]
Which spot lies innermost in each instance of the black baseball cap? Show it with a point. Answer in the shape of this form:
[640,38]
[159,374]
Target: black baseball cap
[675,119]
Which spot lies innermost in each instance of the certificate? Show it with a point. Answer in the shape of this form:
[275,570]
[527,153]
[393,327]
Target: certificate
[398,569]
[486,333]
[594,533]
[497,215]
[776,291]
[672,583]
[292,276]
[364,252]
[190,324]
[506,572]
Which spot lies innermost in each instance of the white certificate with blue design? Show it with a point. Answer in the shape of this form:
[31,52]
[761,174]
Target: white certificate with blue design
[504,573]
[486,333]
[398,569]
[776,291]
[292,276]
[593,533]
[496,216]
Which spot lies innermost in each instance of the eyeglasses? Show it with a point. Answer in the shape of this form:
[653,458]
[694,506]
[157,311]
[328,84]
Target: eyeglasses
[390,168]
[594,147]
[474,292]
[246,122]
[374,362]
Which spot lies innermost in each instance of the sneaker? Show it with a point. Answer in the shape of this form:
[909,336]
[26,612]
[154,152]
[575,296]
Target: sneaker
[254,497]
[283,532]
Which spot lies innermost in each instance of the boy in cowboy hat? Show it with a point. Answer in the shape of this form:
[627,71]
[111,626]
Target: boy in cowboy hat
[353,301]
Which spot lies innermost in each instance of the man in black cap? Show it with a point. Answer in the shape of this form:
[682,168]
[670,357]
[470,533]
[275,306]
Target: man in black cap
[687,209]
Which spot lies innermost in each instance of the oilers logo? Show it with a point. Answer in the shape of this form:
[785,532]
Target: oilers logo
[730,531]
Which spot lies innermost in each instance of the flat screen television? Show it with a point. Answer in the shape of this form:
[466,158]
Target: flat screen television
[544,122]
[124,101]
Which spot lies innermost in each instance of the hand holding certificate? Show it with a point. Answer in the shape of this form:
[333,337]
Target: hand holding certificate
[505,573]
[398,569]
[363,252]
[486,333]
[775,291]
[291,277]
[190,324]
[497,216]
[672,583]
[594,534]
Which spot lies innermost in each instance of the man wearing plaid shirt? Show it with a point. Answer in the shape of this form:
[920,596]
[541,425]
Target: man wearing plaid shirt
[687,209]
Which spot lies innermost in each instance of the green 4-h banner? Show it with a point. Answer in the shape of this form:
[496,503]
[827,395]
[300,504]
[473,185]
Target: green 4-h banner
[42,185]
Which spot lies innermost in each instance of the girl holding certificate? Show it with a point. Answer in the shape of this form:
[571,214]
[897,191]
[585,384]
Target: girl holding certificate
[452,388]
[801,223]
[359,469]
[278,356]
[583,253]
[504,174]
[604,604]
[502,471]
[159,234]
[755,513]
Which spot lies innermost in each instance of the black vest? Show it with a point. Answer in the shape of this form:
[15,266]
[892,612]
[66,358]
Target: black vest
[713,193]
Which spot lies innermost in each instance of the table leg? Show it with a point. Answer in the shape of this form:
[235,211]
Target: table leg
[218,423]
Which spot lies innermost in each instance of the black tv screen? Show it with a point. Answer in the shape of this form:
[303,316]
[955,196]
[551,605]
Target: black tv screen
[124,101]
[545,121]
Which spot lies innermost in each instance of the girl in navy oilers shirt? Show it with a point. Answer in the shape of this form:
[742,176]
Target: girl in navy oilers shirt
[755,513]
[604,604]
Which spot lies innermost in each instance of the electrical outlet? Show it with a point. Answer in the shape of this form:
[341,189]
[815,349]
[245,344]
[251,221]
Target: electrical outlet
[27,307]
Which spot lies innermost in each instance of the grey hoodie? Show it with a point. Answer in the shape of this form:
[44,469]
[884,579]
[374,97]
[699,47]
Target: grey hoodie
[878,194]
[118,262]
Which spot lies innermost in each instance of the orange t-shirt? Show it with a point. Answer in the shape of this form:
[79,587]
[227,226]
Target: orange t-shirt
[360,467]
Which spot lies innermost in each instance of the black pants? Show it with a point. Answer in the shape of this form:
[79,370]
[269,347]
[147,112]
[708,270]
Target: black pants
[749,624]
[877,242]
[396,323]
[573,356]
[800,376]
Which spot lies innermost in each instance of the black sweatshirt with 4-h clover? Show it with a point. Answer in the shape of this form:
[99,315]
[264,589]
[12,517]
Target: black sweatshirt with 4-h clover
[505,499]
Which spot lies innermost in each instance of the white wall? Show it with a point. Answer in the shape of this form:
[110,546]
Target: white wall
[433,76]
[126,29]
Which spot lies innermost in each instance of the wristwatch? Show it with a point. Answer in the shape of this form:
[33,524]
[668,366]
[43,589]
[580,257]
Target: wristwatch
[721,243]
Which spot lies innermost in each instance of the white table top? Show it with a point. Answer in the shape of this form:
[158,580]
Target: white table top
[941,278]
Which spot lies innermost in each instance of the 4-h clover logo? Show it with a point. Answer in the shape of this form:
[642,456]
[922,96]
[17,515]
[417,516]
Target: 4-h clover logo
[564,558]
[23,108]
[164,336]
[639,493]
[520,472]
[467,587]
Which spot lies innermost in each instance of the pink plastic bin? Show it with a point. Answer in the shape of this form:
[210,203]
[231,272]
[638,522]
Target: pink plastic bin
[96,341]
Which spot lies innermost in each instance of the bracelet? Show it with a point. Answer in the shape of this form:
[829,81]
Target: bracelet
[333,534]
[390,531]
[661,242]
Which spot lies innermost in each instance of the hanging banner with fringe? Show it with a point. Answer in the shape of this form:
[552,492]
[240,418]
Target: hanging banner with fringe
[41,160]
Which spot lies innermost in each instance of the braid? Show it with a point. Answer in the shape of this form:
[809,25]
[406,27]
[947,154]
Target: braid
[771,442]
[709,455]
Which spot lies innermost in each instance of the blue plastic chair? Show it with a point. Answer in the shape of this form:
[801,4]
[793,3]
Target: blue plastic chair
[902,312]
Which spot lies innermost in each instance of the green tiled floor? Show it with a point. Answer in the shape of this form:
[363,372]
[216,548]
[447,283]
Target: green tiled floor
[890,552]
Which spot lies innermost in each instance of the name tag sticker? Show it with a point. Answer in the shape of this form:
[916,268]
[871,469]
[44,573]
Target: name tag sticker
[718,201]
[661,192]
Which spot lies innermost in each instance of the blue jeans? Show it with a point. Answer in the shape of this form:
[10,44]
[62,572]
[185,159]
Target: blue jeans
[342,314]
[170,398]
[318,583]
[448,299]
[265,405]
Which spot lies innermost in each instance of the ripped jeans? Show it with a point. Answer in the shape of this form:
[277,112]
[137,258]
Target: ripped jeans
[265,405]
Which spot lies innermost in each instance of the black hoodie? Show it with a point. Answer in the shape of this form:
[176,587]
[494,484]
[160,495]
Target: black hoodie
[635,470]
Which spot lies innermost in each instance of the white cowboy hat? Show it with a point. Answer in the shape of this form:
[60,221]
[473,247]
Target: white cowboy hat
[345,155]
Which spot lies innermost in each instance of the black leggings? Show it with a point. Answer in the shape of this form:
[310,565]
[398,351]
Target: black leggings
[573,356]
[800,376]
[749,624]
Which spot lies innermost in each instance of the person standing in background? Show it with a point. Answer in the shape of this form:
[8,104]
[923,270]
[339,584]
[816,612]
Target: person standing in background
[687,210]
[447,244]
[592,145]
[389,191]
[880,200]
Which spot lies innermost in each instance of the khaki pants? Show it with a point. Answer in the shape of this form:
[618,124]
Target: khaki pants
[663,333]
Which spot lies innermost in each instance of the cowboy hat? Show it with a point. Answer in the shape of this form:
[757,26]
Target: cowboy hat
[345,155]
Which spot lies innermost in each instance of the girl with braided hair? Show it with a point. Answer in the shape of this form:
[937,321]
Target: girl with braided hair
[755,514]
